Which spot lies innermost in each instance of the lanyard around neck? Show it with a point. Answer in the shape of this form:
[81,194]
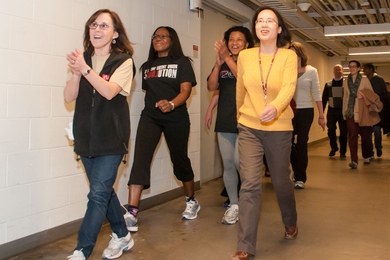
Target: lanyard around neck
[264,83]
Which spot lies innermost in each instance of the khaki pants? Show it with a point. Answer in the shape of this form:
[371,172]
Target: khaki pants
[252,145]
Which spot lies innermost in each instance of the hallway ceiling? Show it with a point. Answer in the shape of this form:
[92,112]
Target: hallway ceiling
[309,25]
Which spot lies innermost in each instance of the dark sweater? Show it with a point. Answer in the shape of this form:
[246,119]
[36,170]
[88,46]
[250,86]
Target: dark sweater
[101,126]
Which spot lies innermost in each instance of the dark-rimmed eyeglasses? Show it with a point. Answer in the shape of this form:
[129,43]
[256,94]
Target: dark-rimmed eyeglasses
[102,26]
[163,37]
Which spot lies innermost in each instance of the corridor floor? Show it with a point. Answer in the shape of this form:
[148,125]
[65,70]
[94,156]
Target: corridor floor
[342,214]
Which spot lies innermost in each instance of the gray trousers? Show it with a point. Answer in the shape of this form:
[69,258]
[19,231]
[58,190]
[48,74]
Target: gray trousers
[252,145]
[229,152]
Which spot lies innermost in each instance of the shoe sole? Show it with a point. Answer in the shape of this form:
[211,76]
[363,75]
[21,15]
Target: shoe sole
[132,229]
[126,248]
[229,222]
[190,218]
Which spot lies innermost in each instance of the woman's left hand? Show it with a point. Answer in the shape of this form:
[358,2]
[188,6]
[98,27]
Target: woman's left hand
[268,114]
[164,106]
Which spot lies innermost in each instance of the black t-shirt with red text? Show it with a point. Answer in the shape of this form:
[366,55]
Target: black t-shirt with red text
[162,81]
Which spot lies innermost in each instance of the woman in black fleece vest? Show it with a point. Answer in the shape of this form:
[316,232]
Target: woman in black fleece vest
[101,80]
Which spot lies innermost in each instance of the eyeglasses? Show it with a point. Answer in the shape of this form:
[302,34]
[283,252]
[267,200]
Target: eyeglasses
[102,26]
[266,21]
[163,37]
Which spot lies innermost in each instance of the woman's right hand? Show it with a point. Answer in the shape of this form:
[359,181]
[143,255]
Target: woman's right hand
[222,50]
[76,62]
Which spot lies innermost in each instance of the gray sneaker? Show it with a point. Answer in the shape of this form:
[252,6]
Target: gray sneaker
[353,165]
[131,222]
[117,245]
[192,209]
[231,215]
[77,255]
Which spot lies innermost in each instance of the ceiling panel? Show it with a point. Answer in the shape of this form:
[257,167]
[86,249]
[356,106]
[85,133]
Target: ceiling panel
[309,25]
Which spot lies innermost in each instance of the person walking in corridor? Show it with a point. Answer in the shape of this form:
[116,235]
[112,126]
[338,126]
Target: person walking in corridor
[266,82]
[101,79]
[333,96]
[167,79]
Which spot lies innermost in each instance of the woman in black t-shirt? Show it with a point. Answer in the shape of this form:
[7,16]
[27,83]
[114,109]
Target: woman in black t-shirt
[168,78]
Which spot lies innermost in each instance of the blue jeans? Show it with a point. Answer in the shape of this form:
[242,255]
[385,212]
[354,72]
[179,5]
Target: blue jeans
[103,201]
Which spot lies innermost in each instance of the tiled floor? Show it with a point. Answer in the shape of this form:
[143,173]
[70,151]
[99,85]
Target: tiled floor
[342,214]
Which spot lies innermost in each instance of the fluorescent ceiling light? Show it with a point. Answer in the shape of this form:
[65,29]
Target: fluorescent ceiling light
[369,50]
[359,29]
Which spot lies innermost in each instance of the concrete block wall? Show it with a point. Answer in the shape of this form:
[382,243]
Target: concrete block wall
[41,184]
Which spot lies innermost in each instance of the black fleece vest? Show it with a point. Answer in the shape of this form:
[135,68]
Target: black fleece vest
[101,126]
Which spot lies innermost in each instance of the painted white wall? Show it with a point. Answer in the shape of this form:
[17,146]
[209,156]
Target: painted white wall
[41,185]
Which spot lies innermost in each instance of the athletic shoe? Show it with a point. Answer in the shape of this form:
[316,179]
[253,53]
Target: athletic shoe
[231,215]
[131,222]
[299,185]
[117,245]
[366,160]
[353,165]
[77,255]
[291,232]
[333,152]
[192,209]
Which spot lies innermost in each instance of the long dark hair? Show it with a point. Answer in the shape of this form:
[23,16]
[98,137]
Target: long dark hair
[122,44]
[245,31]
[284,37]
[175,51]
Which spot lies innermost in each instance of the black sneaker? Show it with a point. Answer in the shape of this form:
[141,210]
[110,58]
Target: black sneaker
[378,153]
[333,151]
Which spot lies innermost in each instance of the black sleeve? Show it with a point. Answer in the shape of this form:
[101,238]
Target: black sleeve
[325,96]
[187,72]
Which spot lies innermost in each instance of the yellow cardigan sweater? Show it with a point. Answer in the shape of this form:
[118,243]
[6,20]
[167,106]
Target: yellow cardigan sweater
[281,87]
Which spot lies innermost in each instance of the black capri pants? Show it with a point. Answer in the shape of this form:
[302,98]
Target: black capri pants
[148,136]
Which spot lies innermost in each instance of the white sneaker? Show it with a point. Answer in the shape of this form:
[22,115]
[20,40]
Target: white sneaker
[77,255]
[231,215]
[192,209]
[117,245]
[131,222]
[366,160]
[300,185]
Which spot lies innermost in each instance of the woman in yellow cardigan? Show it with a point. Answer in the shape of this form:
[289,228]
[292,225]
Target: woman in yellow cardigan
[266,80]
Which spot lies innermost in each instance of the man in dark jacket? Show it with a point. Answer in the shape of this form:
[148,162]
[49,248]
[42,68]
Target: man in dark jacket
[379,86]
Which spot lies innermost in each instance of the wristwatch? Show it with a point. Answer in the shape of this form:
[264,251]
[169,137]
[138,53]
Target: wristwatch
[172,104]
[85,73]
